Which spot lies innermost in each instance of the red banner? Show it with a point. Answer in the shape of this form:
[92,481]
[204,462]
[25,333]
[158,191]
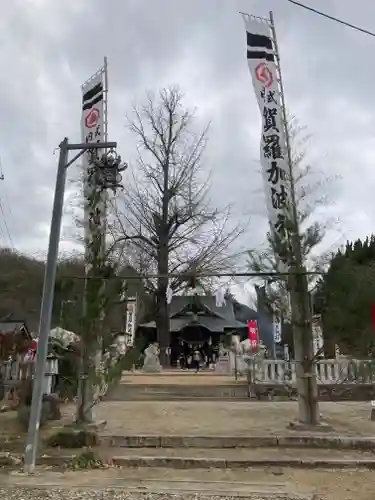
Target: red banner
[252,327]
[373,316]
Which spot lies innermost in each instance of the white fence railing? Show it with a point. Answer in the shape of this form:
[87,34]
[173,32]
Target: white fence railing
[328,371]
[13,372]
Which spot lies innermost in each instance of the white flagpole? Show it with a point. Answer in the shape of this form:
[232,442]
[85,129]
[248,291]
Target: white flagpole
[105,92]
[287,137]
[105,133]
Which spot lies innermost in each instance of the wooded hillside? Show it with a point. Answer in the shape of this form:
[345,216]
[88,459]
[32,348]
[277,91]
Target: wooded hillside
[21,287]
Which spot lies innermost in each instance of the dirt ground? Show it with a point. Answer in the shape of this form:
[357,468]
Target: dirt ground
[209,419]
[202,418]
[223,418]
[327,485]
[13,435]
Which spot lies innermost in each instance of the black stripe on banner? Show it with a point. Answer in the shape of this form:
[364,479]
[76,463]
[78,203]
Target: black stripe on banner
[92,92]
[261,41]
[90,104]
[253,54]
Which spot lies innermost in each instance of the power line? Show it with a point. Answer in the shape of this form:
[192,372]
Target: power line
[2,210]
[191,275]
[332,18]
[6,225]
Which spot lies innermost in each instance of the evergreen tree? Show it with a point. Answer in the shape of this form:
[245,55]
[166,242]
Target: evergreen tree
[346,295]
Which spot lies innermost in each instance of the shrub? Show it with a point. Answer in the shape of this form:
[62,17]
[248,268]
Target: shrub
[73,438]
[86,460]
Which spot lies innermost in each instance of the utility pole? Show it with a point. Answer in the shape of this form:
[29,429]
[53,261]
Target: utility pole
[48,293]
[308,409]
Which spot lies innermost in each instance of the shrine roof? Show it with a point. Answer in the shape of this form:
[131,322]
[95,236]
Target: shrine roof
[200,310]
[233,316]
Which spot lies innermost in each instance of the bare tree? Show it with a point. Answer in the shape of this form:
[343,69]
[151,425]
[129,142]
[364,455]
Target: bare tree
[165,215]
[311,193]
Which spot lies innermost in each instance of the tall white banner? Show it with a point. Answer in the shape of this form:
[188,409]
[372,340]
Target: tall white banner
[93,110]
[277,329]
[273,152]
[131,316]
[317,334]
[92,124]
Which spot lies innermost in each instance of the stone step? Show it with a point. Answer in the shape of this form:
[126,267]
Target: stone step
[168,392]
[239,391]
[164,397]
[187,458]
[230,442]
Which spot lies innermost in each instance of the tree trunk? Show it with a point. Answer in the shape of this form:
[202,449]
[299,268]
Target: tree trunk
[162,323]
[163,261]
[84,413]
[308,408]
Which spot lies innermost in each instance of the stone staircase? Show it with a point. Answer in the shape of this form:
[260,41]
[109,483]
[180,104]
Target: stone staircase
[288,467]
[178,386]
[208,386]
[174,392]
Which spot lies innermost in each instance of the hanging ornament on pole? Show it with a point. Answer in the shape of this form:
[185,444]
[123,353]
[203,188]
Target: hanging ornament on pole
[107,171]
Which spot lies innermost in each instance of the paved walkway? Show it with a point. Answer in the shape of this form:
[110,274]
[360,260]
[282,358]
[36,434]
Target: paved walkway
[218,418]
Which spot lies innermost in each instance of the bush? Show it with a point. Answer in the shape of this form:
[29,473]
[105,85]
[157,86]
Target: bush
[73,438]
[86,460]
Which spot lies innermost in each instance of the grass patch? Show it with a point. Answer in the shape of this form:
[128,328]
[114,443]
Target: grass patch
[88,459]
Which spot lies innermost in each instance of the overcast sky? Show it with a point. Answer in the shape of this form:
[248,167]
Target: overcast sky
[49,48]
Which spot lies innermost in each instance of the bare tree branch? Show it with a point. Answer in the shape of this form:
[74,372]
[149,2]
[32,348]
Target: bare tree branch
[311,194]
[165,217]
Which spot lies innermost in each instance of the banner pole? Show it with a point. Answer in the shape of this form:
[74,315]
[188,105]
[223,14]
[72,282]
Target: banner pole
[105,195]
[95,203]
[286,131]
[105,92]
[301,318]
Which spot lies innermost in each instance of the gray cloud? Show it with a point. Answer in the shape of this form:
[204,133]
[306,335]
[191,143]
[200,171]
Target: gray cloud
[48,49]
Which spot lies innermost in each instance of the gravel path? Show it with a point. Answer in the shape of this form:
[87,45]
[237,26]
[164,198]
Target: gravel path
[91,484]
[110,494]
